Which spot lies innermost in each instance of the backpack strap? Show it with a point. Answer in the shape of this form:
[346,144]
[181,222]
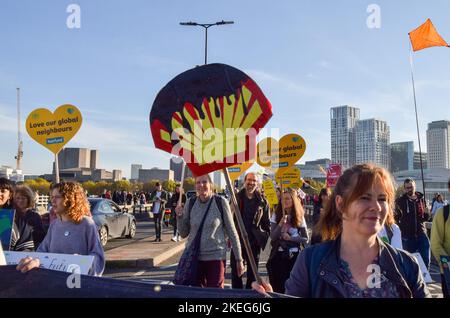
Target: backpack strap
[446,212]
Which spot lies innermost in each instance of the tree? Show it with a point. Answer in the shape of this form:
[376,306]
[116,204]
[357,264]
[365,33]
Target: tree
[121,185]
[189,184]
[149,186]
[39,184]
[89,186]
[100,187]
[169,185]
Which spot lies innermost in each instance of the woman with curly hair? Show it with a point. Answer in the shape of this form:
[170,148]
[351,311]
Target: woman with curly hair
[74,231]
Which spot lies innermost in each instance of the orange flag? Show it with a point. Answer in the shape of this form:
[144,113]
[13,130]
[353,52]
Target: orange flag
[426,36]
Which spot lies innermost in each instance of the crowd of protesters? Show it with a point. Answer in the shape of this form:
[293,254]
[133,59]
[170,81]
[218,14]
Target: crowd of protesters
[357,224]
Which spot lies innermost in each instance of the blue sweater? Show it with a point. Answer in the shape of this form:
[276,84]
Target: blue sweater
[65,237]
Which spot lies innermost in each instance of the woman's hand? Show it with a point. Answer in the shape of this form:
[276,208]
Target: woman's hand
[262,289]
[240,268]
[285,236]
[283,220]
[27,264]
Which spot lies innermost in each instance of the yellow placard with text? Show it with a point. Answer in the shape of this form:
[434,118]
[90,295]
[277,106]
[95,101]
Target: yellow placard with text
[54,130]
[270,192]
[289,177]
[291,149]
[237,170]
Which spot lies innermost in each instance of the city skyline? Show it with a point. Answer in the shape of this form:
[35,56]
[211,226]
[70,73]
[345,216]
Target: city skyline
[304,56]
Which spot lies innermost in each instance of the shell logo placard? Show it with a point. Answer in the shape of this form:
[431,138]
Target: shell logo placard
[54,130]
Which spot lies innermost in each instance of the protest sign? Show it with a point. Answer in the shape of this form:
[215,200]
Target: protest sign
[6,224]
[54,130]
[58,262]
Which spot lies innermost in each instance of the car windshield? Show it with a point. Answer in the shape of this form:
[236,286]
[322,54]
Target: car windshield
[93,204]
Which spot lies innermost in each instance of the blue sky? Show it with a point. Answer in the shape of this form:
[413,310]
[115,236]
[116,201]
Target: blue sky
[307,56]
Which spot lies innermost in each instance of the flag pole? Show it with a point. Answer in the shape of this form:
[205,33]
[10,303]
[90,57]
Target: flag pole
[417,121]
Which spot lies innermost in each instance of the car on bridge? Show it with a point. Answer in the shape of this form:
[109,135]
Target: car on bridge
[111,220]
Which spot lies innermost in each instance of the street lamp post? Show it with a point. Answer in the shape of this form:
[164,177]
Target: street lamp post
[206,26]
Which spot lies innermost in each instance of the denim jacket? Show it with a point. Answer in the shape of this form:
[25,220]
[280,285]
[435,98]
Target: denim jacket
[316,272]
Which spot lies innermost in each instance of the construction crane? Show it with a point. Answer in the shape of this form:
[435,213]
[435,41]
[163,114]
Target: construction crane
[19,155]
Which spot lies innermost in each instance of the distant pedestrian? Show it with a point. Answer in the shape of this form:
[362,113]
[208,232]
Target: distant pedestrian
[173,217]
[159,198]
[411,215]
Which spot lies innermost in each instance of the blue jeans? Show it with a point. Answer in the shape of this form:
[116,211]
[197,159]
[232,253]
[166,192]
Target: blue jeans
[420,245]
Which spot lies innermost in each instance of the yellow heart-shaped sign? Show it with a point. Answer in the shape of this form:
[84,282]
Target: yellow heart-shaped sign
[291,149]
[236,170]
[54,130]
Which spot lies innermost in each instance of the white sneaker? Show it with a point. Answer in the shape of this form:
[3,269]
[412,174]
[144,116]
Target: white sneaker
[178,239]
[174,239]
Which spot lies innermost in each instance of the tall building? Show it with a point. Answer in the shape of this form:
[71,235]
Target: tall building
[74,158]
[218,179]
[94,159]
[402,156]
[438,144]
[176,167]
[343,142]
[146,175]
[372,142]
[135,171]
[416,164]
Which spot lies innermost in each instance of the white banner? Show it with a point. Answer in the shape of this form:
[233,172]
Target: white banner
[58,262]
[2,256]
[423,269]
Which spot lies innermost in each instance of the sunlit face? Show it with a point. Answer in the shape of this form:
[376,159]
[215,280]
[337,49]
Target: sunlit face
[251,183]
[20,202]
[203,186]
[4,196]
[367,214]
[287,201]
[58,202]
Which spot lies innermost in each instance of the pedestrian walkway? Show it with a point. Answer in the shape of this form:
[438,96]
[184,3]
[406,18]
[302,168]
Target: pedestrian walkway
[145,252]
